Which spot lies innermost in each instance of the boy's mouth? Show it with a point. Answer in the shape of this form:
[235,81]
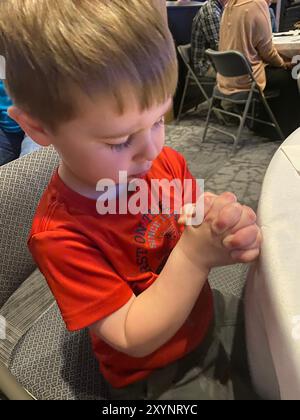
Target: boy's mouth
[140,174]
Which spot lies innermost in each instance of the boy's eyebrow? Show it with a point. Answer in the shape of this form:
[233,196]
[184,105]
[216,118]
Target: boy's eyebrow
[120,135]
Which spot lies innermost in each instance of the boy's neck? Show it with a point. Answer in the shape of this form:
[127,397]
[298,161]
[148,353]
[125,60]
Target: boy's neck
[75,184]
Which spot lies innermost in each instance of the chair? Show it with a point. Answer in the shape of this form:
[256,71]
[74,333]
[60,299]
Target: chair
[234,64]
[39,358]
[185,53]
[180,19]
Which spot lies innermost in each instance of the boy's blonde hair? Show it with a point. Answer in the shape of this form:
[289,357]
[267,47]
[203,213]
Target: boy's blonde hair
[54,47]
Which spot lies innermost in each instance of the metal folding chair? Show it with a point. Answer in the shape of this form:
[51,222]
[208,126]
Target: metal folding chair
[185,53]
[234,64]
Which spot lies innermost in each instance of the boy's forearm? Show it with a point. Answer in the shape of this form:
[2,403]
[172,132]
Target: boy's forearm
[159,312]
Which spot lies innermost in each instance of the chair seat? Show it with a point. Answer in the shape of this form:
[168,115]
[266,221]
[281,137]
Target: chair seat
[54,364]
[242,96]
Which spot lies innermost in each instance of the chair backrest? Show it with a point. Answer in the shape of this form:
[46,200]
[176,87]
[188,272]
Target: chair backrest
[185,53]
[22,183]
[230,63]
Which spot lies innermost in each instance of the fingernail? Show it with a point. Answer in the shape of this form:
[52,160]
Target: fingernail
[227,242]
[230,195]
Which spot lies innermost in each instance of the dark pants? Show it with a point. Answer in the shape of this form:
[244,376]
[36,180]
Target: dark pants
[216,370]
[10,146]
[286,107]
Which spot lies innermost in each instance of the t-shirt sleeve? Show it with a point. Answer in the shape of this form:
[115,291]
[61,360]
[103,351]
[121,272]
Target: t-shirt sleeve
[82,281]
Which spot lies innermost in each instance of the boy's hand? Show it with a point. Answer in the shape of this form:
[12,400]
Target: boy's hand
[227,235]
[188,211]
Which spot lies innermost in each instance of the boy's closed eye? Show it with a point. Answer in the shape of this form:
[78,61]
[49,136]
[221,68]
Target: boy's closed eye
[121,146]
[129,139]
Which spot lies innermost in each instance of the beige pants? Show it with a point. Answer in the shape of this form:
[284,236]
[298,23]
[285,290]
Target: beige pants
[211,72]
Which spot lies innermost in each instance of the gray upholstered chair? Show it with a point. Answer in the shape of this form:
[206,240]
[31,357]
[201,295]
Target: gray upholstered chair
[38,353]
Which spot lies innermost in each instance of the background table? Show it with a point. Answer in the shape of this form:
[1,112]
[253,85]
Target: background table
[272,298]
[288,45]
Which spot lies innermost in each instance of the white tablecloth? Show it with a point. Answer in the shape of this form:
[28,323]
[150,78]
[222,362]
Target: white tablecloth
[288,45]
[272,299]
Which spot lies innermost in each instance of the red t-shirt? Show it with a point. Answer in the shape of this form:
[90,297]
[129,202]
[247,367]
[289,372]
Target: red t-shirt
[94,263]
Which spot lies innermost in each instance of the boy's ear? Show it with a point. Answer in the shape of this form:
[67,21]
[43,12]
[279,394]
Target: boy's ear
[32,127]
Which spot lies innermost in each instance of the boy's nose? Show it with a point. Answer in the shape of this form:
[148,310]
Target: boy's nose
[147,148]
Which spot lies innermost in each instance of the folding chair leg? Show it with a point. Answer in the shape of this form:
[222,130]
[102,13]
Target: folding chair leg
[243,120]
[253,109]
[183,97]
[207,119]
[272,117]
[220,117]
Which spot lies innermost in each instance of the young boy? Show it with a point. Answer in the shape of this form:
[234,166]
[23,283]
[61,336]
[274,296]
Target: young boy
[95,79]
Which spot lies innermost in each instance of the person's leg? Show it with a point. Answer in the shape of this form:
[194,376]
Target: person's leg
[10,145]
[28,146]
[286,107]
[211,72]
[182,379]
[216,370]
[201,375]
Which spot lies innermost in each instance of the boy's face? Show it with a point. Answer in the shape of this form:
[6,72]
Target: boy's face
[101,142]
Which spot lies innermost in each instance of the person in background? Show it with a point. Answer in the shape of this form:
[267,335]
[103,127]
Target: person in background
[273,20]
[11,135]
[245,27]
[28,146]
[205,34]
[13,142]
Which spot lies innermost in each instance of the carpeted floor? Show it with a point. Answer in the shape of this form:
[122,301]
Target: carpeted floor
[215,162]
